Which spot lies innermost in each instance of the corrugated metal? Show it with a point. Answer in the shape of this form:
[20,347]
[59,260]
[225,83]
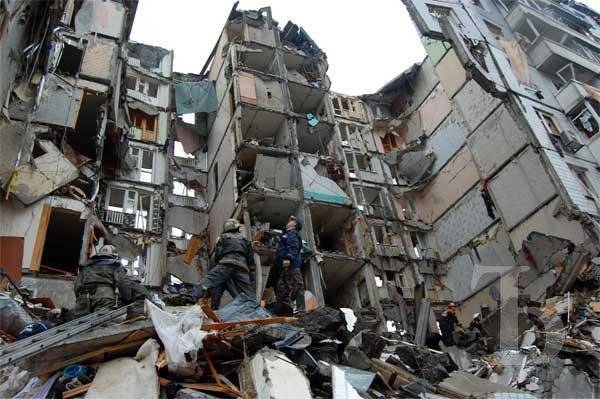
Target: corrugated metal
[521,187]
[495,141]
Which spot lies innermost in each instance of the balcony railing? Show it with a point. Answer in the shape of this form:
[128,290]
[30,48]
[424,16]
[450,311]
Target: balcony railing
[574,93]
[113,217]
[550,56]
[189,162]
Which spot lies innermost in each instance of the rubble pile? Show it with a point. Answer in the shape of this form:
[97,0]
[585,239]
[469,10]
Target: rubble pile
[244,350]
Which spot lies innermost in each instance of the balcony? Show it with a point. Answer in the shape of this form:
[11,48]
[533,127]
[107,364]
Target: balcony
[552,23]
[113,217]
[551,57]
[574,93]
[189,162]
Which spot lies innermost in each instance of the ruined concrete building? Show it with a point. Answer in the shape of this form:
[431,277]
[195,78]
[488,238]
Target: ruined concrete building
[478,159]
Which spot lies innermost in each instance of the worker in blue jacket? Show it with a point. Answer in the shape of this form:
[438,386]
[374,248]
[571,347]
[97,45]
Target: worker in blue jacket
[289,261]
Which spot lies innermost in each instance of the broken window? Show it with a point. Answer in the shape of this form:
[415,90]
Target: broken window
[581,174]
[350,161]
[116,198]
[379,234]
[586,122]
[345,132]
[566,73]
[363,162]
[70,60]
[178,233]
[549,123]
[144,162]
[146,123]
[132,266]
[142,85]
[438,12]
[131,202]
[62,245]
[528,33]
[389,142]
[181,189]
[495,30]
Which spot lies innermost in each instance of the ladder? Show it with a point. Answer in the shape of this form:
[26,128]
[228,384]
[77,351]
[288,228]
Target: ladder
[23,349]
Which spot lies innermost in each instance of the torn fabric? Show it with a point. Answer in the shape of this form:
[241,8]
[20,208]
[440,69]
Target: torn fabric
[192,97]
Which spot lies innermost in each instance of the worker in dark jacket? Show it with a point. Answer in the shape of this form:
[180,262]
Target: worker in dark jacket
[234,261]
[97,280]
[447,323]
[289,262]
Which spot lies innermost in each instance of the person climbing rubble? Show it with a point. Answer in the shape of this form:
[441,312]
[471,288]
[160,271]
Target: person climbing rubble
[447,322]
[289,262]
[97,280]
[234,261]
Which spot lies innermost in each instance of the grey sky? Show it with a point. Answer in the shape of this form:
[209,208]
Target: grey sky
[367,42]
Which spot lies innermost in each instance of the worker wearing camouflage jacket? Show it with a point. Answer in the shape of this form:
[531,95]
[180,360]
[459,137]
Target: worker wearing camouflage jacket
[234,264]
[97,280]
[289,261]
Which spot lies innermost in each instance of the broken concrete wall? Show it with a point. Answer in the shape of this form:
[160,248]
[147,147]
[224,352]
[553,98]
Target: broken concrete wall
[275,173]
[59,104]
[59,290]
[99,59]
[450,184]
[320,188]
[430,114]
[106,18]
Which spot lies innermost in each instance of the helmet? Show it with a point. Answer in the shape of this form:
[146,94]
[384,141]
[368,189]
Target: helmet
[108,250]
[231,225]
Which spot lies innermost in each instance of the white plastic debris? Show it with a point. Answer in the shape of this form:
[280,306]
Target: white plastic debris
[180,334]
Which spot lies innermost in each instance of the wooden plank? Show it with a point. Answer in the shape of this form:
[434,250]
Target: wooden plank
[200,387]
[205,306]
[38,248]
[91,355]
[192,249]
[76,391]
[11,256]
[232,324]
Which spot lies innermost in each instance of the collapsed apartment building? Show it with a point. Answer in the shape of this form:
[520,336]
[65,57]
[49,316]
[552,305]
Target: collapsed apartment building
[403,193]
[86,116]
[473,170]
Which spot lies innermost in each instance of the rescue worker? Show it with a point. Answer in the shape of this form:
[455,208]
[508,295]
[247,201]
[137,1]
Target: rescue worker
[447,323]
[289,262]
[234,262]
[96,282]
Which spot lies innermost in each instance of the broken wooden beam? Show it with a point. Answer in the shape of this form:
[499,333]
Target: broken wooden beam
[71,393]
[233,324]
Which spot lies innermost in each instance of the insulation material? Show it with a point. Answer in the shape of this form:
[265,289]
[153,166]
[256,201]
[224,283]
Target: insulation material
[180,334]
[142,377]
[518,60]
[321,188]
[52,171]
[192,97]
[273,376]
[99,59]
[521,187]
[247,87]
[59,104]
[186,219]
[104,17]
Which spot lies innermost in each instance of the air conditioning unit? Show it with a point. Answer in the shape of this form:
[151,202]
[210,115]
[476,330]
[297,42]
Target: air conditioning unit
[570,140]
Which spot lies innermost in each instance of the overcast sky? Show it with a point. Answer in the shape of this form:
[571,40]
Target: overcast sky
[367,42]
